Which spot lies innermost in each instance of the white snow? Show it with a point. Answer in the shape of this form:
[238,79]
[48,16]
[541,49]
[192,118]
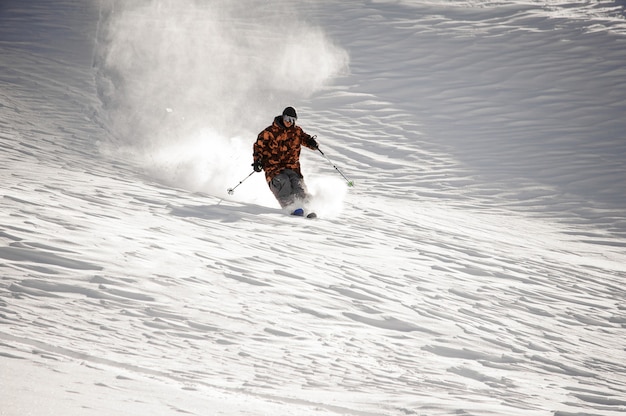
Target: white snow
[476,268]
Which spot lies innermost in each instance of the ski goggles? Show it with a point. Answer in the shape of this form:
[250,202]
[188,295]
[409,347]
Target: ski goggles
[289,119]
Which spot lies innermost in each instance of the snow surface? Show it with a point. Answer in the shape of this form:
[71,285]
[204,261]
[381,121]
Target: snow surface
[476,268]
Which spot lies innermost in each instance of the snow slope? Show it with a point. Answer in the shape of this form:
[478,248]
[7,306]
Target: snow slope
[476,268]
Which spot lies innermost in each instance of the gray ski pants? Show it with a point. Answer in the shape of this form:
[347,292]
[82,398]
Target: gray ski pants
[288,187]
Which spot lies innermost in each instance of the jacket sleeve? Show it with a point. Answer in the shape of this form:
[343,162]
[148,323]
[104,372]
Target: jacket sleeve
[306,139]
[259,147]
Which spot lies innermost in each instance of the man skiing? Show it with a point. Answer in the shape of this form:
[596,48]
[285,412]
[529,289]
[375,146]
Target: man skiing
[277,152]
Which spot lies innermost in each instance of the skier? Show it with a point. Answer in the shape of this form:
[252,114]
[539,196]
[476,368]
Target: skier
[277,152]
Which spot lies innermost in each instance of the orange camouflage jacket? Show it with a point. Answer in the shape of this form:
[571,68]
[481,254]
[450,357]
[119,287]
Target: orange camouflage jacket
[278,148]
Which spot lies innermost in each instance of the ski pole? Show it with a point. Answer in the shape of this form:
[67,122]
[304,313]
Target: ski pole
[232,190]
[350,183]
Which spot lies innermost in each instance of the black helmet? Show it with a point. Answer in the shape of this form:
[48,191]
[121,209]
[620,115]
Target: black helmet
[291,112]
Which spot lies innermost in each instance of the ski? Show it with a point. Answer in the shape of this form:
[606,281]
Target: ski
[299,212]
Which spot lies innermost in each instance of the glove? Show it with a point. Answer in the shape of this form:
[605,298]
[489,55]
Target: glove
[257,165]
[313,143]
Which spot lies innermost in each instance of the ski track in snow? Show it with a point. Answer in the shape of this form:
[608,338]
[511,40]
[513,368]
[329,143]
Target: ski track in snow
[476,268]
